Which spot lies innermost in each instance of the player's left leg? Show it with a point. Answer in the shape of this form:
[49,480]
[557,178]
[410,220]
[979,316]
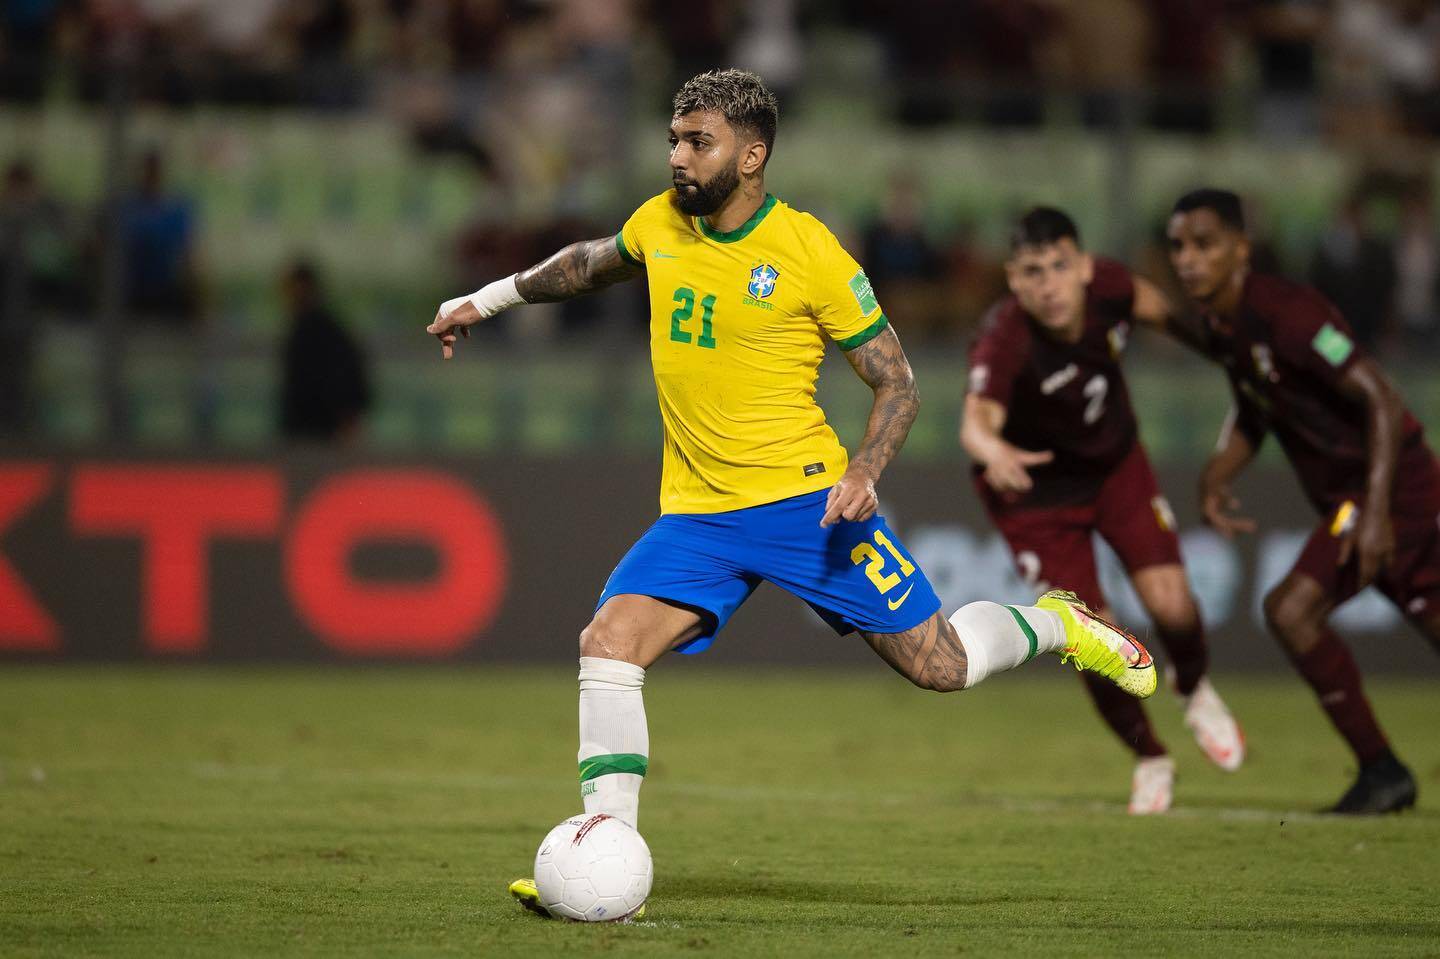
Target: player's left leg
[1134,517]
[859,576]
[1136,520]
[984,638]
[1165,593]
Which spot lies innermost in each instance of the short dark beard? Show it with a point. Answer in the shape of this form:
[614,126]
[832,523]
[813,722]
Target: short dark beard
[709,197]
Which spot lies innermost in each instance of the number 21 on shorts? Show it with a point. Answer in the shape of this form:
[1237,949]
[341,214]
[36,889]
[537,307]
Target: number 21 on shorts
[875,562]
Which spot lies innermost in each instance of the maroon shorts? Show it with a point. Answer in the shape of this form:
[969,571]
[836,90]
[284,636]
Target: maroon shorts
[1412,580]
[1053,545]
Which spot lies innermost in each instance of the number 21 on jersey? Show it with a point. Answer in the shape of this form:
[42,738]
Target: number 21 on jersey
[684,297]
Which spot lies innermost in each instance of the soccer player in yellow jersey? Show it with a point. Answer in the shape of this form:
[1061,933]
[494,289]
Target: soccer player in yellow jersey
[744,293]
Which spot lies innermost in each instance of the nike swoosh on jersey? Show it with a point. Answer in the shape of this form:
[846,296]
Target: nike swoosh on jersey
[664,256]
[897,603]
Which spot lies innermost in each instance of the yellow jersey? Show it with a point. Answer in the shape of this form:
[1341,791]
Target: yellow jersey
[738,323]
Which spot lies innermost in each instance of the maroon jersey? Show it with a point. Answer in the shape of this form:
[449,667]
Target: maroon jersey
[1285,354]
[1069,398]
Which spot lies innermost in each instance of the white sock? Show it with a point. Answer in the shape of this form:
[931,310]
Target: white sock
[614,740]
[997,638]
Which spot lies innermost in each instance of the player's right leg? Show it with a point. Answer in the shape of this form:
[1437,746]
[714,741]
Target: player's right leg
[674,589]
[628,634]
[1296,611]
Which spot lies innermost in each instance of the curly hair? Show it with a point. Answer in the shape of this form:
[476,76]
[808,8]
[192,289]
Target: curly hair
[740,95]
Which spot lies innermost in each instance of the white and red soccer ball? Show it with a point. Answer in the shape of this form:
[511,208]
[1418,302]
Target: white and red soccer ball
[593,869]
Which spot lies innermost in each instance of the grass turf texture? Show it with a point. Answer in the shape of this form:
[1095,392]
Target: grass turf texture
[154,812]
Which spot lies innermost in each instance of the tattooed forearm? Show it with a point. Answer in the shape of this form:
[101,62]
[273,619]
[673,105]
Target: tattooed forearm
[579,268]
[929,655]
[881,363]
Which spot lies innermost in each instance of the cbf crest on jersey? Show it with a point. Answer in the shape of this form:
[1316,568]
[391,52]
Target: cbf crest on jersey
[762,281]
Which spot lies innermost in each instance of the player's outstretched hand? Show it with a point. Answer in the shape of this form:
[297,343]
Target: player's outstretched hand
[853,498]
[1372,542]
[1005,469]
[453,320]
[1218,506]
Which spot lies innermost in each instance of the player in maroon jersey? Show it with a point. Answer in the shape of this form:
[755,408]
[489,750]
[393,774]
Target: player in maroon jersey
[1048,422]
[1361,457]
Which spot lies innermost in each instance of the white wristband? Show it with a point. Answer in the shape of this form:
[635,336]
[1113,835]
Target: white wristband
[489,299]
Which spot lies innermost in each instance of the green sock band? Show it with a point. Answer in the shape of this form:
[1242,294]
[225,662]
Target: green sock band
[633,763]
[1028,631]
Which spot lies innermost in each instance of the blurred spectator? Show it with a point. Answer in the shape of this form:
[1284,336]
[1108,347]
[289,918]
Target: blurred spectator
[27,33]
[158,232]
[1104,49]
[456,35]
[33,261]
[1417,264]
[902,263]
[1285,35]
[895,245]
[695,34]
[1185,63]
[1355,268]
[974,278]
[325,384]
[1388,59]
[1011,39]
[770,44]
[317,29]
[923,52]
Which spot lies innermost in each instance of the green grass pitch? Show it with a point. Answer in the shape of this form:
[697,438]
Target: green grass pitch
[244,812]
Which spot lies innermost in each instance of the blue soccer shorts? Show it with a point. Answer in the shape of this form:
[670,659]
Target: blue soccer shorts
[857,576]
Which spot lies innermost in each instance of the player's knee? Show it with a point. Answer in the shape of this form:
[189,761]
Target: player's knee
[1177,613]
[1168,600]
[1290,619]
[600,639]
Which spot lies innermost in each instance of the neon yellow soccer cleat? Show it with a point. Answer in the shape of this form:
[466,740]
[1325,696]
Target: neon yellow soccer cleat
[528,896]
[1100,647]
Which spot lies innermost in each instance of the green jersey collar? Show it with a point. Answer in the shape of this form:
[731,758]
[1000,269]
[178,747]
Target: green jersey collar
[743,230]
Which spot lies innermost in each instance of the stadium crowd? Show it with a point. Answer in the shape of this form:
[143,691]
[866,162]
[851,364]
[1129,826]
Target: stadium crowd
[470,78]
[1349,67]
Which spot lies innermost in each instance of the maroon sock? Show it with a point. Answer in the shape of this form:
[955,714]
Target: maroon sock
[1124,714]
[1189,655]
[1331,672]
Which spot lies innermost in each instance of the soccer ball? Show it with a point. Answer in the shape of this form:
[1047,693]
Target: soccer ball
[593,869]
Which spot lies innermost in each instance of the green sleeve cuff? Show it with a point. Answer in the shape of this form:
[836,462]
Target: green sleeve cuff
[865,335]
[625,253]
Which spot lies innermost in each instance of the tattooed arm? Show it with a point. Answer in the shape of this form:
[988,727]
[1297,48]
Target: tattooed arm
[578,268]
[881,363]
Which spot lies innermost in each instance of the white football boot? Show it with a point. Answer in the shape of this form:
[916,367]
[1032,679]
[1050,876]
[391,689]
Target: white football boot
[1216,732]
[1152,788]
